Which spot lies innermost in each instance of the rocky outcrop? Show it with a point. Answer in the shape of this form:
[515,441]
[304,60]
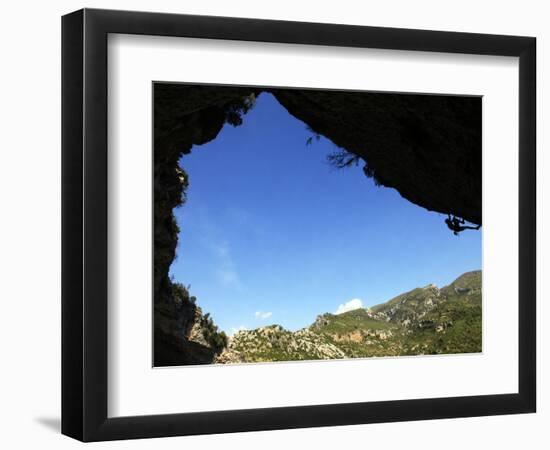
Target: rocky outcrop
[274,343]
[321,321]
[183,335]
[426,147]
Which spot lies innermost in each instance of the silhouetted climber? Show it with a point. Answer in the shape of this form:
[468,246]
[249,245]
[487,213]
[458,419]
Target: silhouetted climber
[456,225]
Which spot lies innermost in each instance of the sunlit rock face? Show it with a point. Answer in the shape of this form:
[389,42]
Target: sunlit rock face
[426,147]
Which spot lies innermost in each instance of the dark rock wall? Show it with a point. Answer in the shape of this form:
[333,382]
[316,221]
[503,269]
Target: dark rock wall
[184,116]
[427,147]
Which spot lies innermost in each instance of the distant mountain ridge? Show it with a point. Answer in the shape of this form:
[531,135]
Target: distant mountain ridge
[425,320]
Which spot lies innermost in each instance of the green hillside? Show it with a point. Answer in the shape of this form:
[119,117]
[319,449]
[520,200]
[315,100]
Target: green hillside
[426,320]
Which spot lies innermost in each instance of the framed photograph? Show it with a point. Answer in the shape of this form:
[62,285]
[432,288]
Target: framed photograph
[273,224]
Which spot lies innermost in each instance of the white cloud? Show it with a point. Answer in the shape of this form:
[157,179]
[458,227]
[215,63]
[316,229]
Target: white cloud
[263,314]
[228,277]
[234,330]
[227,272]
[355,303]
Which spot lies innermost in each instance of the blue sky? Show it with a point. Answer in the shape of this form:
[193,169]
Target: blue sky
[271,233]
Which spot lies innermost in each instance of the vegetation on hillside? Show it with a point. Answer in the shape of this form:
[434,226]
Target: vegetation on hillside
[423,321]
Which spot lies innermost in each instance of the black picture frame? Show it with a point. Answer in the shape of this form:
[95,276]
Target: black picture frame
[84,224]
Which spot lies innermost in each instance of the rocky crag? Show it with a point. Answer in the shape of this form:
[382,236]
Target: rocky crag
[183,334]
